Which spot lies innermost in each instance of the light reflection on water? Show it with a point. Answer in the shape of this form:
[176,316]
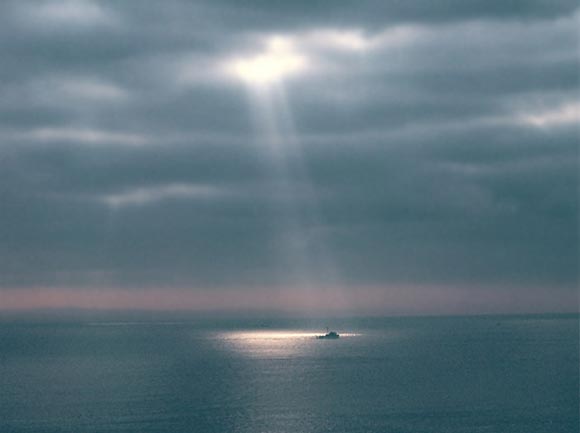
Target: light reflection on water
[275,343]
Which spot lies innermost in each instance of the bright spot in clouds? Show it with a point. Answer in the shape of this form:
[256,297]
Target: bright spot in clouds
[293,54]
[278,61]
[569,113]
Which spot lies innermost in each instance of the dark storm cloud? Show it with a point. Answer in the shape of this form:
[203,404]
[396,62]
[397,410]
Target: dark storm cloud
[276,15]
[439,138]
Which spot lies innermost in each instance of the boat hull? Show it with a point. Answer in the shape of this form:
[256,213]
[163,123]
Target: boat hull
[329,336]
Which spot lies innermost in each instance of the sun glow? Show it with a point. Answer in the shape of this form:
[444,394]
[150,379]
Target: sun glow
[278,61]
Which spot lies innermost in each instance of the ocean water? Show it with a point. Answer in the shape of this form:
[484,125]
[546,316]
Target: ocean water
[399,375]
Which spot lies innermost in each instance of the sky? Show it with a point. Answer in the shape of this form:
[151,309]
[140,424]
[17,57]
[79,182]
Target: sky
[368,157]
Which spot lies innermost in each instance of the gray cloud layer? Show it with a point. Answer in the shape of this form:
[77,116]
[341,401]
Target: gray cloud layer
[438,148]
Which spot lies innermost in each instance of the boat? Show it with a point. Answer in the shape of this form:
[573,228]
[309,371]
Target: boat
[332,335]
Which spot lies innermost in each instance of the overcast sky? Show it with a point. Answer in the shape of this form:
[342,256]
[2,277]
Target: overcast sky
[360,156]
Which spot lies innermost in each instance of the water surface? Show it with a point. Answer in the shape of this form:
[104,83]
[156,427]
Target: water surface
[404,375]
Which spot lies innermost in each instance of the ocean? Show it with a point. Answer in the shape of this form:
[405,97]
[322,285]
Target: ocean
[492,374]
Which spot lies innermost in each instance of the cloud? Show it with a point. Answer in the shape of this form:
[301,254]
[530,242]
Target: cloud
[144,196]
[435,146]
[349,40]
[78,136]
[567,114]
[65,13]
[90,89]
[73,92]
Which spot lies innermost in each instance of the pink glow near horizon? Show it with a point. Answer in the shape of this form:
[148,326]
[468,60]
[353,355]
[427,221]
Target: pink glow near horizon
[394,300]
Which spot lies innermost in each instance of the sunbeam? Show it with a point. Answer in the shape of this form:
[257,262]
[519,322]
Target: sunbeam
[307,260]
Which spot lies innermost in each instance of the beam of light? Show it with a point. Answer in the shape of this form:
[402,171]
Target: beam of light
[307,262]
